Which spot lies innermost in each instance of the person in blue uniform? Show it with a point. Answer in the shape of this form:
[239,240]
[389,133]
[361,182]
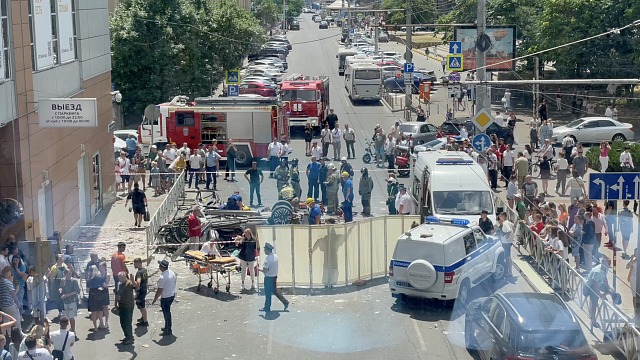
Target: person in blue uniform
[347,191]
[314,212]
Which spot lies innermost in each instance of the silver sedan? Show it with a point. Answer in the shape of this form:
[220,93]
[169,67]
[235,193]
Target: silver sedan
[594,129]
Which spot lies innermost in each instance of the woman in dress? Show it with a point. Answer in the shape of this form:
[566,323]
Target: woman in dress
[248,245]
[94,284]
[308,137]
[104,293]
[545,173]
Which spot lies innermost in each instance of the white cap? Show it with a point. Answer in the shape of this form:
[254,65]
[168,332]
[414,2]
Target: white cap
[154,147]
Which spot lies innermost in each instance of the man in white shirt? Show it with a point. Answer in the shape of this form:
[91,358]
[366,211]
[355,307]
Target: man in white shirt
[389,148]
[4,262]
[168,154]
[567,146]
[186,150]
[492,165]
[463,132]
[284,151]
[403,201]
[167,293]
[349,137]
[316,150]
[210,248]
[395,130]
[32,352]
[608,112]
[336,139]
[59,337]
[508,161]
[274,151]
[563,171]
[625,160]
[325,138]
[508,231]
[546,150]
[270,271]
[195,168]
[499,119]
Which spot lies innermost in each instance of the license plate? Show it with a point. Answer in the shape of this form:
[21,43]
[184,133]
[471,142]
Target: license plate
[403,284]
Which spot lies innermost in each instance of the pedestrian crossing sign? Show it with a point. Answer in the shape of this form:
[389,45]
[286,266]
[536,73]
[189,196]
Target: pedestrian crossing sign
[455,62]
[232,77]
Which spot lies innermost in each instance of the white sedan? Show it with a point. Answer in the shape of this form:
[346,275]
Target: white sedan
[594,129]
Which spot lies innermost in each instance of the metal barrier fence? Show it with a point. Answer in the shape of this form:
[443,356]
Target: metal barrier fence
[615,325]
[395,102]
[168,208]
[327,255]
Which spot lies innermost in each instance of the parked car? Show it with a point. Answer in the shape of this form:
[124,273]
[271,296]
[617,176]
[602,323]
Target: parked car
[323,25]
[257,88]
[282,40]
[422,132]
[594,129]
[383,37]
[523,325]
[277,65]
[397,83]
[258,79]
[294,25]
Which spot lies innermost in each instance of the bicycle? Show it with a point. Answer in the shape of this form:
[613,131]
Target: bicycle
[534,167]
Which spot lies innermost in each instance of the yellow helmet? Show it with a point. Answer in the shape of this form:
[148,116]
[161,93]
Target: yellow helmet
[344,173]
[309,201]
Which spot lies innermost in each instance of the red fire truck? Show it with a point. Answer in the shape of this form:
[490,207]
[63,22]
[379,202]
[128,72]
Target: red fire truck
[251,122]
[307,100]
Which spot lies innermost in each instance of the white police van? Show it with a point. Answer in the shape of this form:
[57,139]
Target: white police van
[443,259]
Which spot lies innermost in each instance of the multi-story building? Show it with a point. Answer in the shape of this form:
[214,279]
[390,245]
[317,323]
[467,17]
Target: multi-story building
[62,175]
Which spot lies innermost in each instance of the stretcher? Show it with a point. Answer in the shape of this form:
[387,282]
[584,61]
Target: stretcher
[203,263]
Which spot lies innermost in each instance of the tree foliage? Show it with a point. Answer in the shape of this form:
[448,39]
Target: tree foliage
[423,11]
[265,11]
[163,48]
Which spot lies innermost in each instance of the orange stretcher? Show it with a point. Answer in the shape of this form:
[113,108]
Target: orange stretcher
[203,263]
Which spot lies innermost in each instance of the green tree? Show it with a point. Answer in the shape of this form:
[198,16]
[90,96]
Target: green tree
[163,48]
[266,12]
[423,11]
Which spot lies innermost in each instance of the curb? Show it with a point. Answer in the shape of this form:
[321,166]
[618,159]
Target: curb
[438,58]
[386,104]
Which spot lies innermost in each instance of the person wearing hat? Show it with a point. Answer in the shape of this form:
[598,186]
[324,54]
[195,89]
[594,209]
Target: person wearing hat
[324,172]
[118,260]
[167,293]
[403,201]
[333,187]
[346,167]
[485,223]
[347,192]
[270,271]
[313,177]
[282,174]
[365,187]
[140,284]
[294,173]
[314,212]
[392,193]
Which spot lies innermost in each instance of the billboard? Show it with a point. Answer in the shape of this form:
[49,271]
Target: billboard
[503,46]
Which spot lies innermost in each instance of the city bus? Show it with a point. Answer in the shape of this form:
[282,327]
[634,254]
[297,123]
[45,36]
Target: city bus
[363,81]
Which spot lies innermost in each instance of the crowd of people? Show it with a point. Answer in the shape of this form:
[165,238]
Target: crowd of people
[28,299]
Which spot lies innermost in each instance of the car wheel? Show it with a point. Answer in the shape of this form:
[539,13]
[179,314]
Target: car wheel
[575,141]
[500,268]
[619,137]
[463,294]
[469,339]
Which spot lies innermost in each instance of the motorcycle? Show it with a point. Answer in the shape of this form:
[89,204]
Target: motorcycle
[403,154]
[369,152]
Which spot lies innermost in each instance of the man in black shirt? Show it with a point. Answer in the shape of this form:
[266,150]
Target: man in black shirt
[140,284]
[331,119]
[485,223]
[138,203]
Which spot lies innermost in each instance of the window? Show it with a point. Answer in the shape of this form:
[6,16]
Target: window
[367,74]
[497,317]
[480,238]
[298,95]
[4,39]
[469,243]
[185,119]
[432,128]
[63,41]
[605,123]
[590,124]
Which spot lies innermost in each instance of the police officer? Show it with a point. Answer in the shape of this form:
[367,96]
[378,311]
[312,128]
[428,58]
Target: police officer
[364,190]
[324,171]
[294,173]
[333,186]
[282,174]
[314,212]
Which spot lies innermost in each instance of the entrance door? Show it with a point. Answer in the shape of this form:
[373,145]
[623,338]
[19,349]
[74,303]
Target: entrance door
[84,190]
[97,183]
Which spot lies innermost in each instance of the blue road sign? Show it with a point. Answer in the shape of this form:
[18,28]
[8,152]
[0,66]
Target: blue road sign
[454,62]
[614,186]
[233,90]
[408,67]
[455,47]
[232,77]
[481,142]
[352,31]
[454,76]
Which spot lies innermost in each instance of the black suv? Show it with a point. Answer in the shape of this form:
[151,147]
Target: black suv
[294,25]
[518,326]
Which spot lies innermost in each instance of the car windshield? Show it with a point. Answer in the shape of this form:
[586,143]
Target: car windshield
[434,143]
[298,95]
[462,202]
[408,128]
[367,74]
[551,342]
[575,123]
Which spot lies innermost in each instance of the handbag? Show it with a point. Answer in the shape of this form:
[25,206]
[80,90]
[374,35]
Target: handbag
[147,217]
[59,354]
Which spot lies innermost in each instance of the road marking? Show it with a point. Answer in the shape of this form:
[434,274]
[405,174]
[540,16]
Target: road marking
[270,341]
[418,333]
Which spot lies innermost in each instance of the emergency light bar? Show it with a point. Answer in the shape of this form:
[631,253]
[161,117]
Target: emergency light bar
[453,161]
[434,219]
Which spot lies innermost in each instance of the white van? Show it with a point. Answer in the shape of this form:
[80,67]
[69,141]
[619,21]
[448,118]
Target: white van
[363,81]
[450,183]
[443,259]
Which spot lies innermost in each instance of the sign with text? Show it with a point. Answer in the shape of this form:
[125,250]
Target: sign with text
[68,112]
[66,47]
[502,49]
[42,37]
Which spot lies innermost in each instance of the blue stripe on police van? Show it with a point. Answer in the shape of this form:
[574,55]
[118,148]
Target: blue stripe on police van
[445,269]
